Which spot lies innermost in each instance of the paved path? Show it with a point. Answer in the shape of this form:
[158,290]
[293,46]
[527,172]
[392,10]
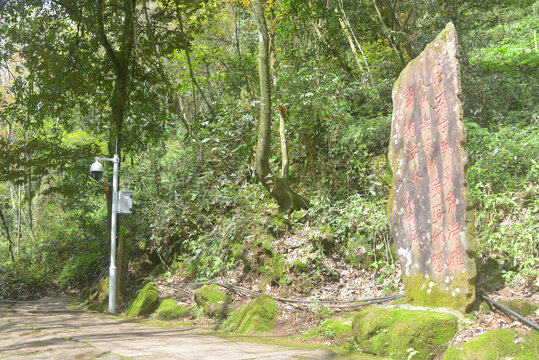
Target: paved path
[49,329]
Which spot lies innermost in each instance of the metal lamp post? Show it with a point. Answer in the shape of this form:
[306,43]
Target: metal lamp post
[97,171]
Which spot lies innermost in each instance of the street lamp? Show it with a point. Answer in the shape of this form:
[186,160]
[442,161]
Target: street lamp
[121,203]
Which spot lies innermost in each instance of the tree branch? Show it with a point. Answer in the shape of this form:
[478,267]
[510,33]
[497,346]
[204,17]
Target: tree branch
[105,41]
[189,64]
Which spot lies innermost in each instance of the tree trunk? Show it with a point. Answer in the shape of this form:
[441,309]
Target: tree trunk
[278,187]
[8,235]
[121,60]
[394,45]
[352,41]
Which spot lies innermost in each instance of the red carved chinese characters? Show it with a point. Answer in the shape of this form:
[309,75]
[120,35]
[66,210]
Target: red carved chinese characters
[447,177]
[408,202]
[432,165]
[425,124]
[409,98]
[435,188]
[409,130]
[411,154]
[455,258]
[438,262]
[445,148]
[450,202]
[454,232]
[429,145]
[437,231]
[440,102]
[438,75]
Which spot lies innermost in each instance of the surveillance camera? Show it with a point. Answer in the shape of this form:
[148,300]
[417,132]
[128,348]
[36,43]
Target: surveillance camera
[96,170]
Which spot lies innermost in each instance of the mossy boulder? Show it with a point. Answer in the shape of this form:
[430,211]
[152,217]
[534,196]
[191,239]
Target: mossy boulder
[393,332]
[497,345]
[98,298]
[145,303]
[169,310]
[522,307]
[338,327]
[256,316]
[213,301]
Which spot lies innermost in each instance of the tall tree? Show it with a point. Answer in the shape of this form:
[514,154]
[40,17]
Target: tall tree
[278,186]
[84,59]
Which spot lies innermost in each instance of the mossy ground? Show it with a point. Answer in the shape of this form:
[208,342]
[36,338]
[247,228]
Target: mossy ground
[213,301]
[497,344]
[393,332]
[145,303]
[256,316]
[169,310]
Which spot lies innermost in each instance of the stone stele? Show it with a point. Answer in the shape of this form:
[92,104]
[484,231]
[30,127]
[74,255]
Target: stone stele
[430,221]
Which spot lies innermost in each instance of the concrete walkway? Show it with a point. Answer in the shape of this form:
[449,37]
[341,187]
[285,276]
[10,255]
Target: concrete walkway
[48,329]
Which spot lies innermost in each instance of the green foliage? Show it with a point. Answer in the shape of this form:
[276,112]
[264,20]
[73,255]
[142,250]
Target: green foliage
[23,281]
[503,159]
[356,226]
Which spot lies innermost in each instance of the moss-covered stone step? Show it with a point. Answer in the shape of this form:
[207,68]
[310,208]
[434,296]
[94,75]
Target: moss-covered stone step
[398,333]
[169,310]
[145,303]
[497,345]
[214,302]
[256,316]
[98,298]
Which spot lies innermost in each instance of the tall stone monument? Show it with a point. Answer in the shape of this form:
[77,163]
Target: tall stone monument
[430,221]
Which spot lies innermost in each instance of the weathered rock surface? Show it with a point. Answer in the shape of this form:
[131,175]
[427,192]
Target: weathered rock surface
[496,345]
[398,332]
[145,303]
[256,316]
[213,301]
[429,216]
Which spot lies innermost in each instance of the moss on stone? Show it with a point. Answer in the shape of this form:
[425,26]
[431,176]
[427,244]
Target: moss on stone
[145,302]
[212,301]
[98,298]
[169,310]
[393,332]
[337,327]
[497,344]
[256,316]
[421,291]
[521,307]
